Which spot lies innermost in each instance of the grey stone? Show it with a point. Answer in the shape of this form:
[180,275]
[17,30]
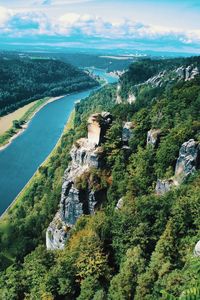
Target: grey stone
[127,131]
[187,163]
[197,249]
[75,202]
[153,136]
[163,186]
[188,160]
[120,204]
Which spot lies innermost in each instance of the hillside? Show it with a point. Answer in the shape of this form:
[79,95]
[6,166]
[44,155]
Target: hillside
[24,80]
[137,168]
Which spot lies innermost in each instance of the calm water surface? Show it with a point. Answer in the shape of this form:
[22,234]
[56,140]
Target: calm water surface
[22,157]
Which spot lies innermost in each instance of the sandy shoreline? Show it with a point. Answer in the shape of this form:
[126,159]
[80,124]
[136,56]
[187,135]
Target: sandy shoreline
[66,128]
[25,126]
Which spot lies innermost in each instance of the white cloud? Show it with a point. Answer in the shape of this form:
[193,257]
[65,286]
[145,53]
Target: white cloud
[18,23]
[5,14]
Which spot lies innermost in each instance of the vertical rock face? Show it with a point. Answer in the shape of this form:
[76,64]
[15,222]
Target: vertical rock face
[85,153]
[188,160]
[97,126]
[153,136]
[187,73]
[187,163]
[118,98]
[127,132]
[197,249]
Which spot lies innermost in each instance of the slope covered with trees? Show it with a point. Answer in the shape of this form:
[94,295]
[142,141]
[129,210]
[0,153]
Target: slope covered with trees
[145,249]
[24,80]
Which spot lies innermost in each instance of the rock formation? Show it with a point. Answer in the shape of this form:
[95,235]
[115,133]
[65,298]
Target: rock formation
[197,249]
[163,186]
[118,98]
[157,80]
[86,153]
[153,136]
[120,204]
[127,132]
[188,160]
[187,73]
[187,163]
[131,98]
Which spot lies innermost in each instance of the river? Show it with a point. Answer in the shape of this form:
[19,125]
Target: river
[20,160]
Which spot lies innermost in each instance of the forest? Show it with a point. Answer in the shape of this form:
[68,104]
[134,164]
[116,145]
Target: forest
[143,251]
[24,80]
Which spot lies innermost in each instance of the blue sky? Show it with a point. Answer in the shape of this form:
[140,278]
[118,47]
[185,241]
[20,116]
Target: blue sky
[171,25]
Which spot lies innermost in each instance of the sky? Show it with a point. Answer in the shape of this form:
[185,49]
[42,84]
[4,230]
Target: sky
[172,25]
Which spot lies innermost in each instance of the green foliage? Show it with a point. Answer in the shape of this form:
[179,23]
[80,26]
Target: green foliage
[25,80]
[144,250]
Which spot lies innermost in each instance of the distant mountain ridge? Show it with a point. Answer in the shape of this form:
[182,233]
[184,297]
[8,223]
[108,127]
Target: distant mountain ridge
[25,80]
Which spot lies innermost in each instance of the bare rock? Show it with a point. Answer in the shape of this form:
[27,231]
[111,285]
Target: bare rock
[97,126]
[163,186]
[197,249]
[187,163]
[127,132]
[118,98]
[120,204]
[131,98]
[188,160]
[85,153]
[153,137]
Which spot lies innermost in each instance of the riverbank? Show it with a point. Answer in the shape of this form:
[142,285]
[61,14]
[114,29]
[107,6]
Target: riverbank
[11,134]
[5,216]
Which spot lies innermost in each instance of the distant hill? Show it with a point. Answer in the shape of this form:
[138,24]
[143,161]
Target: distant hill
[23,80]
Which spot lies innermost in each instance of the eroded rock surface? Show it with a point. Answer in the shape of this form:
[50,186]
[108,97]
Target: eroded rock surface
[187,163]
[188,160]
[86,153]
[120,204]
[153,136]
[127,132]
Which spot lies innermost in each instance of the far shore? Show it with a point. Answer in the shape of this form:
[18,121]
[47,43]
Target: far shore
[25,126]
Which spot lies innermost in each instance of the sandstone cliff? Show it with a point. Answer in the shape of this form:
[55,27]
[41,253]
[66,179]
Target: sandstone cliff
[86,153]
[187,163]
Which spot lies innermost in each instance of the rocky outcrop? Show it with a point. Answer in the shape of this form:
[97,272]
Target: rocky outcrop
[120,204]
[188,160]
[97,126]
[163,186]
[86,153]
[157,80]
[197,249]
[153,137]
[187,73]
[187,163]
[118,98]
[131,98]
[127,132]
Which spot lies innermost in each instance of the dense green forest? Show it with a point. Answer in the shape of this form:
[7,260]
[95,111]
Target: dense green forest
[79,60]
[24,80]
[145,249]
